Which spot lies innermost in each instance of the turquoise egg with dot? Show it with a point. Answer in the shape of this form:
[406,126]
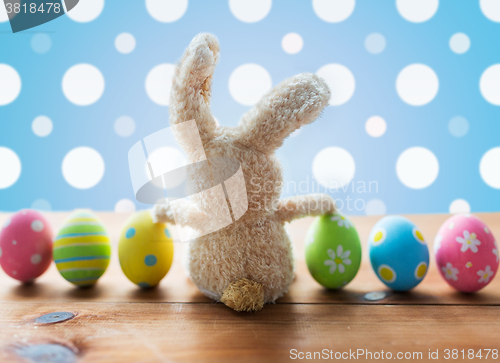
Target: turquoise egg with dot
[398,253]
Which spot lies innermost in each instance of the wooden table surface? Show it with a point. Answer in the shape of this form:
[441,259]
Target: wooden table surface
[117,322]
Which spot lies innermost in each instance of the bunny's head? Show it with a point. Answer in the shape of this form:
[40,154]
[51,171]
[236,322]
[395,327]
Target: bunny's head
[292,103]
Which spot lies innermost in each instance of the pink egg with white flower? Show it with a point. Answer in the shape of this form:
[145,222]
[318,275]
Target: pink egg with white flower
[26,245]
[466,253]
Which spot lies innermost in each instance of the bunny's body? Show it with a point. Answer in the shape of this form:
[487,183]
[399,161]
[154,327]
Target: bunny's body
[249,262]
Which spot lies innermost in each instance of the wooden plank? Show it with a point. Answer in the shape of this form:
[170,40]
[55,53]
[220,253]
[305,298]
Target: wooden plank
[150,332]
[114,286]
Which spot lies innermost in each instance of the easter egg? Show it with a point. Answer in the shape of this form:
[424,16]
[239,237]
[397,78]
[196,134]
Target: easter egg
[398,253]
[82,249]
[466,253]
[25,245]
[145,250]
[333,250]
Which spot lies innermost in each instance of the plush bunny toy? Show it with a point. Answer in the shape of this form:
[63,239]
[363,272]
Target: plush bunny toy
[249,262]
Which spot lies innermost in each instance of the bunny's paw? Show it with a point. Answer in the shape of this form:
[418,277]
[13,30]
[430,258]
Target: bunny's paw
[161,213]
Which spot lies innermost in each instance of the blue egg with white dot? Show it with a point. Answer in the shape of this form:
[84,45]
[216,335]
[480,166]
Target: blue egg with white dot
[398,253]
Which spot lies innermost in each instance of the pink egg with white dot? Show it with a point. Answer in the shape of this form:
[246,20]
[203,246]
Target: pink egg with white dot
[466,253]
[25,245]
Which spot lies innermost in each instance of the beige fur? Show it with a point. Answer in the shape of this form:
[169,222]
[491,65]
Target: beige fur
[244,295]
[249,262]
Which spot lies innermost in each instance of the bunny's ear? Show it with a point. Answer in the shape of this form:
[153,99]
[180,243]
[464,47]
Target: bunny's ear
[294,102]
[191,85]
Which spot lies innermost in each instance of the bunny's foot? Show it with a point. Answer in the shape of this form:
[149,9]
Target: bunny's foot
[244,295]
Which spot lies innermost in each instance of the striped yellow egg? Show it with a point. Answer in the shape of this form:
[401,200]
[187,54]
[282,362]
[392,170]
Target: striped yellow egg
[82,249]
[145,250]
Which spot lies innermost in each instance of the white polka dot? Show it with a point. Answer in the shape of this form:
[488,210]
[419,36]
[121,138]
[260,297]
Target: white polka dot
[417,84]
[489,84]
[10,167]
[3,13]
[125,206]
[417,11]
[86,11]
[10,84]
[459,206]
[125,43]
[417,167]
[42,126]
[490,167]
[341,82]
[165,159]
[166,11]
[333,11]
[459,43]
[36,259]
[14,242]
[250,11]
[248,83]
[124,126]
[83,167]
[14,272]
[491,9]
[4,16]
[292,43]
[159,83]
[375,43]
[375,126]
[375,207]
[37,225]
[41,43]
[83,84]
[333,167]
[458,126]
[41,205]
[0,251]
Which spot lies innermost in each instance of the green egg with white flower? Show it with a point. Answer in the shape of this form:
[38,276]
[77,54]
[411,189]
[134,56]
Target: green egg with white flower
[333,250]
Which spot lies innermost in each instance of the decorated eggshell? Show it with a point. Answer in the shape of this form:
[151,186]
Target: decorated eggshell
[398,253]
[145,250]
[82,249]
[333,250]
[466,253]
[26,245]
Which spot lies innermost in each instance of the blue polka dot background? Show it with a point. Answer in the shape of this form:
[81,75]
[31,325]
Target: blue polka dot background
[398,253]
[413,81]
